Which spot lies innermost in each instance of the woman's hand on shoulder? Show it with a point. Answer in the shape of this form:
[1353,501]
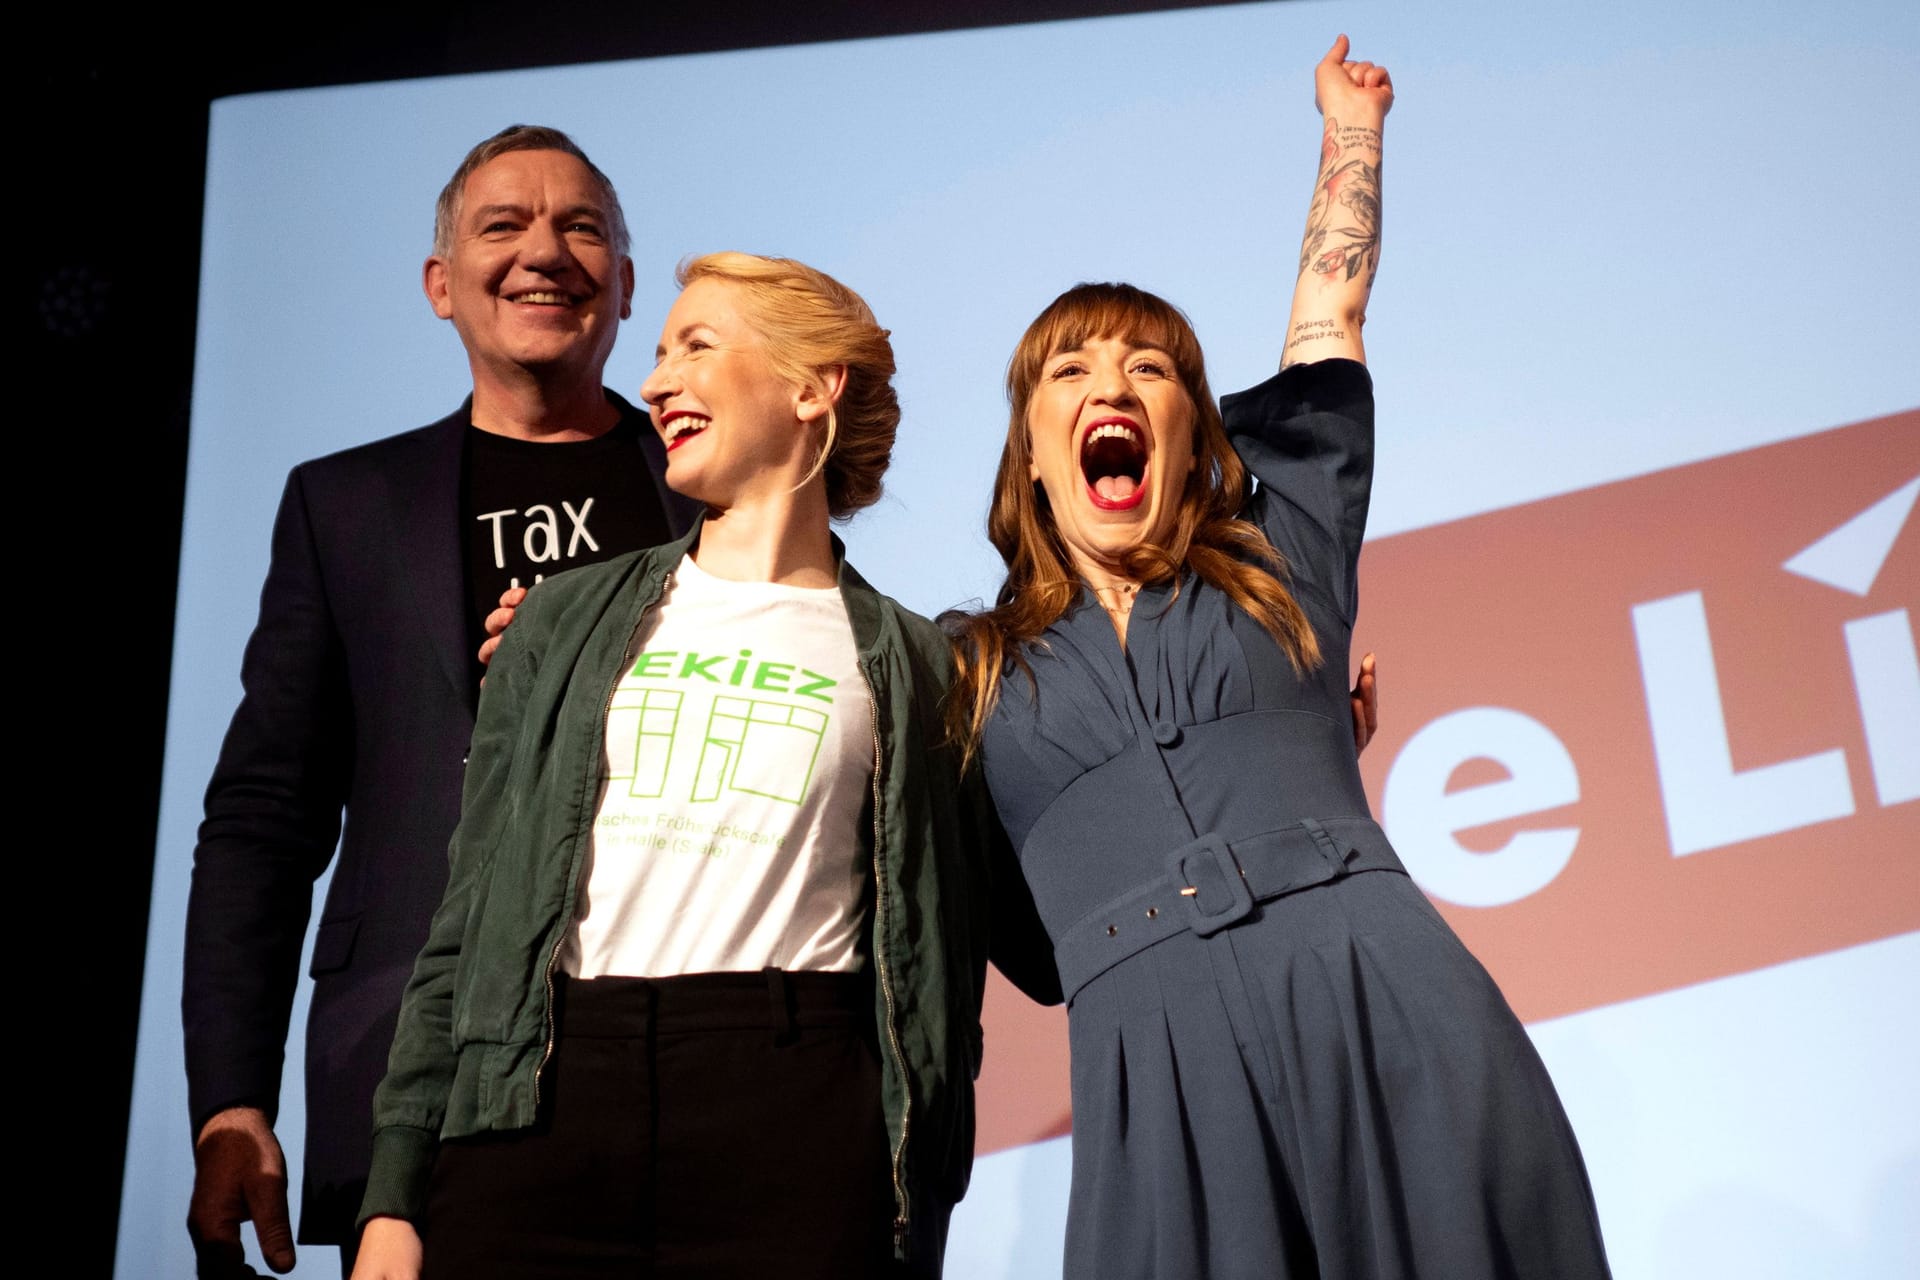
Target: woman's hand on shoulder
[1355,93]
[389,1250]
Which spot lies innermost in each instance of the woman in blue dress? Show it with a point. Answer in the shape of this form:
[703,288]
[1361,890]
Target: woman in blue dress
[1284,1063]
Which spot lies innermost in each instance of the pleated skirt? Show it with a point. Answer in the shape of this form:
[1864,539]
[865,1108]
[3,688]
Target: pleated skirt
[1333,1088]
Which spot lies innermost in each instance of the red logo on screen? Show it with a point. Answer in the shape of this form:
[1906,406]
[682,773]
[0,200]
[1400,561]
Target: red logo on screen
[1634,737]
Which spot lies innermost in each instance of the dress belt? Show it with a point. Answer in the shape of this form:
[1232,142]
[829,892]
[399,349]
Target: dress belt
[1210,884]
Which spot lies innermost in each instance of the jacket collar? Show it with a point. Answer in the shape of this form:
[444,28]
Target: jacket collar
[865,611]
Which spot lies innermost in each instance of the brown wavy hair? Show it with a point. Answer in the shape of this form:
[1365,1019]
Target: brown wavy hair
[811,322]
[1209,539]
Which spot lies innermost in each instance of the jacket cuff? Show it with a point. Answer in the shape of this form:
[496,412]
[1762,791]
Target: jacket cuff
[1336,385]
[201,1114]
[402,1165]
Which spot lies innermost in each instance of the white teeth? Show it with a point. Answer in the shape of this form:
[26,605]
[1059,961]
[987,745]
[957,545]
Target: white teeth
[686,426]
[1112,431]
[546,296]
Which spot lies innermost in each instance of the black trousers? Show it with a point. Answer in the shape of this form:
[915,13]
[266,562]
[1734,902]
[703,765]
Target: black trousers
[710,1125]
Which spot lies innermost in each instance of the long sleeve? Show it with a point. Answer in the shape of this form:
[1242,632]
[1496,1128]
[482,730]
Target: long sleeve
[410,1104]
[272,820]
[1306,434]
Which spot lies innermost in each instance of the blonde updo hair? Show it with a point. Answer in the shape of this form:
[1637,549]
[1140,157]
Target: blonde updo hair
[811,323]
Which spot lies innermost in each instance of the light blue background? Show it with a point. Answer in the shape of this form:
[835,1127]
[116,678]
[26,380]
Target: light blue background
[1618,238]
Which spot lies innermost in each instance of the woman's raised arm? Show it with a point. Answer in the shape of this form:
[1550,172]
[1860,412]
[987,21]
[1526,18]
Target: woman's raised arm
[1341,250]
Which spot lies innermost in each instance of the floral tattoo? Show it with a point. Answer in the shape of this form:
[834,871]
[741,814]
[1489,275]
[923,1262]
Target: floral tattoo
[1339,246]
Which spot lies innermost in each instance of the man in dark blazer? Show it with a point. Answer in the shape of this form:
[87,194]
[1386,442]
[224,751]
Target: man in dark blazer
[360,680]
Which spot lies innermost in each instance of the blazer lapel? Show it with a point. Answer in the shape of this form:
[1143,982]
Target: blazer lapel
[428,522]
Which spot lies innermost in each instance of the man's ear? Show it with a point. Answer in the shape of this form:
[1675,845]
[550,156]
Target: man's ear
[433,279]
[811,400]
[626,288]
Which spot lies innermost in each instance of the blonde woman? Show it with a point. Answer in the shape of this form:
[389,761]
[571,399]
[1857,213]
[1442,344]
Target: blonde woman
[703,997]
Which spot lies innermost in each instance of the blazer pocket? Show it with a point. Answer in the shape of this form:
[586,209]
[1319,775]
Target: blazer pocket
[333,945]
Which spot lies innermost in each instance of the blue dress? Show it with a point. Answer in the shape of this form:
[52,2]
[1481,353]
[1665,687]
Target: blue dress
[1293,1068]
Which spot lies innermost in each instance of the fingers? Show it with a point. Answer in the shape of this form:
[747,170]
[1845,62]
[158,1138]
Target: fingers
[501,618]
[1367,75]
[239,1173]
[221,1260]
[1362,75]
[267,1206]
[1366,703]
[498,621]
[217,1251]
[1351,89]
[1370,691]
[496,624]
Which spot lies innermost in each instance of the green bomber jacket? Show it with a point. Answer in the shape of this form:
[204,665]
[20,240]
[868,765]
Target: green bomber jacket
[476,1023]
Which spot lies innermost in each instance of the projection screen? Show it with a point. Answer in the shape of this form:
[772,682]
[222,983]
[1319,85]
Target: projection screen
[1642,563]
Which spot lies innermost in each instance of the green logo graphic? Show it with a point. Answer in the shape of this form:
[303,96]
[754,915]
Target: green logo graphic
[760,748]
[752,746]
[653,715]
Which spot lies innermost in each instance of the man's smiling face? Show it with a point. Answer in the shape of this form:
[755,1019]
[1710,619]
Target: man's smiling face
[531,279]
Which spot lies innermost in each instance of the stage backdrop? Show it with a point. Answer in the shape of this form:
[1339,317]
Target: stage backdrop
[1644,558]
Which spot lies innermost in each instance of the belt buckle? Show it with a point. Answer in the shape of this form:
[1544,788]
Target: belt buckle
[1189,865]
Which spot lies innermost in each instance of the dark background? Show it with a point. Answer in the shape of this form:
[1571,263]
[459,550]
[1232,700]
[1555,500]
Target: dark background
[107,196]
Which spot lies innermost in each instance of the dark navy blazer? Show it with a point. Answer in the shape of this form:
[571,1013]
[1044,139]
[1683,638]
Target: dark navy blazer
[357,698]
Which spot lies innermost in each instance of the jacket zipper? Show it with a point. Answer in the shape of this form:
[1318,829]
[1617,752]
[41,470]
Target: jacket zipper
[553,956]
[900,1216]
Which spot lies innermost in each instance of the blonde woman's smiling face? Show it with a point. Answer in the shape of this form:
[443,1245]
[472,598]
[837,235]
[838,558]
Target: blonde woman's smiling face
[733,427]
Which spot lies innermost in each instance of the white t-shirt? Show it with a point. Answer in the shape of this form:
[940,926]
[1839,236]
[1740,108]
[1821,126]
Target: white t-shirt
[738,764]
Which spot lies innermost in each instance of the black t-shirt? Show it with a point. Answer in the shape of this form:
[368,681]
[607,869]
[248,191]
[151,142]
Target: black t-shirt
[531,510]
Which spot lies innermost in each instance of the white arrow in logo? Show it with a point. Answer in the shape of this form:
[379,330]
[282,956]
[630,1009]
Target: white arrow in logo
[1850,557]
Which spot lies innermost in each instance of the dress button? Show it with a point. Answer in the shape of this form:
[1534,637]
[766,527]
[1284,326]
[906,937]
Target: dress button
[1166,732]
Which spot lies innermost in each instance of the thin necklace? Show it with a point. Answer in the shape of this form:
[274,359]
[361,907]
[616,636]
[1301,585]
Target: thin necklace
[1125,593]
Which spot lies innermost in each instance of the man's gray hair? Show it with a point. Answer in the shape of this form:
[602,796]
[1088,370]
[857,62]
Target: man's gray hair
[522,137]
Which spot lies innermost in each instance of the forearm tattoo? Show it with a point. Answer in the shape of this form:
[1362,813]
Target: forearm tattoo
[1310,331]
[1343,224]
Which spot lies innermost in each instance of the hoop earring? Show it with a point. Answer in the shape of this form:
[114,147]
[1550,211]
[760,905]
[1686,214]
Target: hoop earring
[826,451]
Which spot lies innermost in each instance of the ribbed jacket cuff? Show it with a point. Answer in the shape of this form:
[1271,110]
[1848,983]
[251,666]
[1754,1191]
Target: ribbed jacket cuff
[402,1164]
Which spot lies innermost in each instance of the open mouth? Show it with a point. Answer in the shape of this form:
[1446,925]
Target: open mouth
[683,427]
[1113,459]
